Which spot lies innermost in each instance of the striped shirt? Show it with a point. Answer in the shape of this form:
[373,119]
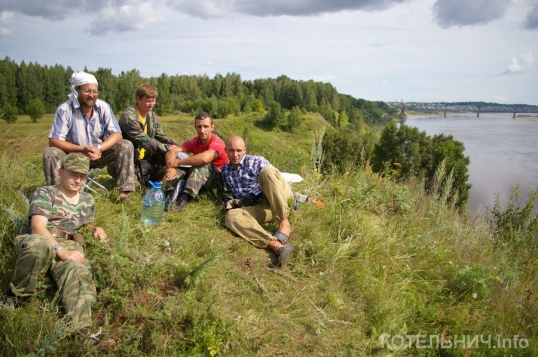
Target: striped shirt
[244,180]
[73,125]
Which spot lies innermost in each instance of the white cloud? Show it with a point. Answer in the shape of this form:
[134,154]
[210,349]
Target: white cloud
[521,64]
[133,16]
[5,19]
[4,32]
[327,78]
[6,16]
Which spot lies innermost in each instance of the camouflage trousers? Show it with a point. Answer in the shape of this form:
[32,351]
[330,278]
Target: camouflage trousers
[119,158]
[206,177]
[36,257]
[246,221]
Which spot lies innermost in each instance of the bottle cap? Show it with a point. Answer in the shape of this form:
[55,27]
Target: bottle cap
[155,184]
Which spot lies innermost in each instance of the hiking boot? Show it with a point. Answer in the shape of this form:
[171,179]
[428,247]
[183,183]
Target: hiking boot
[7,306]
[93,339]
[284,253]
[182,202]
[10,301]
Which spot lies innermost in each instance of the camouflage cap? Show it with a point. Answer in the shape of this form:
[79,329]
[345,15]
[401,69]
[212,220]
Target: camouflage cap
[76,162]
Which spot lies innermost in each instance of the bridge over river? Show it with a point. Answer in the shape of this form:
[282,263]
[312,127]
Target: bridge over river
[465,108]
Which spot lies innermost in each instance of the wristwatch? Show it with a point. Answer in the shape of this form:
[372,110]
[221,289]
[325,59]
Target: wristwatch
[100,147]
[57,247]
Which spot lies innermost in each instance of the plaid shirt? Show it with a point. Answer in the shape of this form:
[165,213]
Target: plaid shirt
[244,180]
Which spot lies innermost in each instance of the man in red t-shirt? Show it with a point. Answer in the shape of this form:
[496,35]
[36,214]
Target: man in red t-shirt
[186,175]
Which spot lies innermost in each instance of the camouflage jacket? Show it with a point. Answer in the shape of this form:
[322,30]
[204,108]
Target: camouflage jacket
[155,142]
[49,202]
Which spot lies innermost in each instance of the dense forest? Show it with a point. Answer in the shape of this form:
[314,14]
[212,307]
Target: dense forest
[27,86]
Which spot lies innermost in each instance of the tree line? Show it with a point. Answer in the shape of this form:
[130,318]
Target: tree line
[27,88]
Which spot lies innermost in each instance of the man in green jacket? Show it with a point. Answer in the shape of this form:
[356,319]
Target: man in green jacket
[140,125]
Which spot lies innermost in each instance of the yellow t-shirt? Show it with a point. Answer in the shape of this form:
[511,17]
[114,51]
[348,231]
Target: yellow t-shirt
[143,122]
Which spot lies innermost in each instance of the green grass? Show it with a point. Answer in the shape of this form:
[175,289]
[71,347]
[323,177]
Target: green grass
[381,259]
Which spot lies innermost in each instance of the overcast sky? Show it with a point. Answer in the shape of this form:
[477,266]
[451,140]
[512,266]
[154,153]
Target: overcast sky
[411,50]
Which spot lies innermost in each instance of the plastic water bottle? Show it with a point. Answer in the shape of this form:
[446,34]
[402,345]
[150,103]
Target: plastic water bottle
[153,204]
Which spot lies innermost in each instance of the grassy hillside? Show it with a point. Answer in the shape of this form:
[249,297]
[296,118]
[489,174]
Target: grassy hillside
[381,270]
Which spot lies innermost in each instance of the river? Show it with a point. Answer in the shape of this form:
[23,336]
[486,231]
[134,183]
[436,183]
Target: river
[503,152]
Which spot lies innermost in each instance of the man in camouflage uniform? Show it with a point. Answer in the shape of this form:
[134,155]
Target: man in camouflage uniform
[56,213]
[140,125]
[208,156]
[87,124]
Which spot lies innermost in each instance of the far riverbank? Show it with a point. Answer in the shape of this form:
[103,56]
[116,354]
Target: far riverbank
[501,149]
[526,117]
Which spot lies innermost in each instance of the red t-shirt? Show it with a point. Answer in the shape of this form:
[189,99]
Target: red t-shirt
[215,143]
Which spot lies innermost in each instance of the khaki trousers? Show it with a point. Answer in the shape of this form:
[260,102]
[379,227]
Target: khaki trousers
[246,221]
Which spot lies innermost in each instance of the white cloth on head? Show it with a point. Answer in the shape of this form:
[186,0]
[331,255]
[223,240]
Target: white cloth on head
[78,79]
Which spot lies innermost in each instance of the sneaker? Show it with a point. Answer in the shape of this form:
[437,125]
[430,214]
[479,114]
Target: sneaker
[182,202]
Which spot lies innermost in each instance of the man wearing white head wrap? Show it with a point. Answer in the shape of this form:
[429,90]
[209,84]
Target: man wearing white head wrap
[78,79]
[87,124]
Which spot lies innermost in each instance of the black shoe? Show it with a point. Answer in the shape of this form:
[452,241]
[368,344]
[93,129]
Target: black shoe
[283,253]
[168,202]
[182,202]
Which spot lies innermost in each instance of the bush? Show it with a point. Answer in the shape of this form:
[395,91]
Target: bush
[36,109]
[345,149]
[406,152]
[516,224]
[10,113]
[275,115]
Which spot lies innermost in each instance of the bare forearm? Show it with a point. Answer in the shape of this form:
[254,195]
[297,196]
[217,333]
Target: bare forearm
[65,146]
[111,141]
[170,157]
[201,159]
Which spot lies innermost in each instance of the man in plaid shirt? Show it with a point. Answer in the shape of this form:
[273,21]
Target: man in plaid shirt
[256,194]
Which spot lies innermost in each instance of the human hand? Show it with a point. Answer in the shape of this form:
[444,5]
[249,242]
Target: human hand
[100,233]
[231,204]
[171,173]
[248,200]
[64,254]
[92,152]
